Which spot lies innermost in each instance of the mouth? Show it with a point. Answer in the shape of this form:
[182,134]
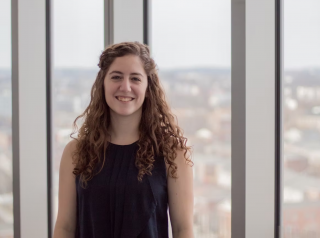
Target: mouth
[124,99]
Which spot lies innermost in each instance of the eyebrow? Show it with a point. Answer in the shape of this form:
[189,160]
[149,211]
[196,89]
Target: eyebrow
[119,72]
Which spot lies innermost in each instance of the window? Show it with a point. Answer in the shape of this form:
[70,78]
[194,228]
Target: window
[301,119]
[6,198]
[77,44]
[191,44]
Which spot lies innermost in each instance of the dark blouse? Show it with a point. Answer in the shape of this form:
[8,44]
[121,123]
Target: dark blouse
[116,205]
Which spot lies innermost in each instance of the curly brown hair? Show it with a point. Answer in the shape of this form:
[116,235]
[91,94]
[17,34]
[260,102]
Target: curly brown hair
[159,134]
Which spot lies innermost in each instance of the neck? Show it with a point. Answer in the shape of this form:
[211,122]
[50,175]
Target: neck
[124,129]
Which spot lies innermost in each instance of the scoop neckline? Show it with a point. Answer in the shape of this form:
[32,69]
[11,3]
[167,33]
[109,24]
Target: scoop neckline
[123,145]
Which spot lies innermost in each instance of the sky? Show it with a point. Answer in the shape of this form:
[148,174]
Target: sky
[189,33]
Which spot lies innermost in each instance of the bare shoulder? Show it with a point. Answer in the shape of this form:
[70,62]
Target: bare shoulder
[69,149]
[71,146]
[181,159]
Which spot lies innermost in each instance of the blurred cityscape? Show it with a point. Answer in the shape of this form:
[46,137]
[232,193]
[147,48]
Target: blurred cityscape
[201,100]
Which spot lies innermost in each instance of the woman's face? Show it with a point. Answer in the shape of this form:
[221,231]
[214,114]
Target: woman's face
[125,85]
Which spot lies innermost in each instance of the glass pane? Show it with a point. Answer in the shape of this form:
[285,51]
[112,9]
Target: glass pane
[6,198]
[301,119]
[77,44]
[191,44]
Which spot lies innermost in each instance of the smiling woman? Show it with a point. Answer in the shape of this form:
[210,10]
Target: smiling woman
[125,84]
[130,159]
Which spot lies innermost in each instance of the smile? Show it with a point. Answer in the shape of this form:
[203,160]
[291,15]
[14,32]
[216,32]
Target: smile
[124,99]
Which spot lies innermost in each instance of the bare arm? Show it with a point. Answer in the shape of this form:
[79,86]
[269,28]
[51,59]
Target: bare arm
[66,219]
[180,192]
[62,233]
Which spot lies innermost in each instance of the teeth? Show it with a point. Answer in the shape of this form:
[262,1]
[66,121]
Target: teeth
[124,99]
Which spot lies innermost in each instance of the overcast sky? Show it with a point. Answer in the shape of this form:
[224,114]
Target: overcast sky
[189,33]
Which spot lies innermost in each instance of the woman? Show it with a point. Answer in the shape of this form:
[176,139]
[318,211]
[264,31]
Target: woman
[130,161]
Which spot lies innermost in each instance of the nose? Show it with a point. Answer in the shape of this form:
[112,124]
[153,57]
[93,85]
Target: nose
[125,85]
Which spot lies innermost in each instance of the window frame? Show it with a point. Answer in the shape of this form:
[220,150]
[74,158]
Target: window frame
[30,158]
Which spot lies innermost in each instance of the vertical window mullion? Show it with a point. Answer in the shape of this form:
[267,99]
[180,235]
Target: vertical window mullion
[253,118]
[29,134]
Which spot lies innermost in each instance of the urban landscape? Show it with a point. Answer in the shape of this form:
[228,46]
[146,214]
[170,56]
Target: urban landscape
[201,100]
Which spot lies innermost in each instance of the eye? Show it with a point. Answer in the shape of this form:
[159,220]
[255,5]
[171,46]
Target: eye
[136,79]
[115,77]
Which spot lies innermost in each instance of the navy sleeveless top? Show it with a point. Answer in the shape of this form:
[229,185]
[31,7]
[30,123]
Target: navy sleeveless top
[116,205]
